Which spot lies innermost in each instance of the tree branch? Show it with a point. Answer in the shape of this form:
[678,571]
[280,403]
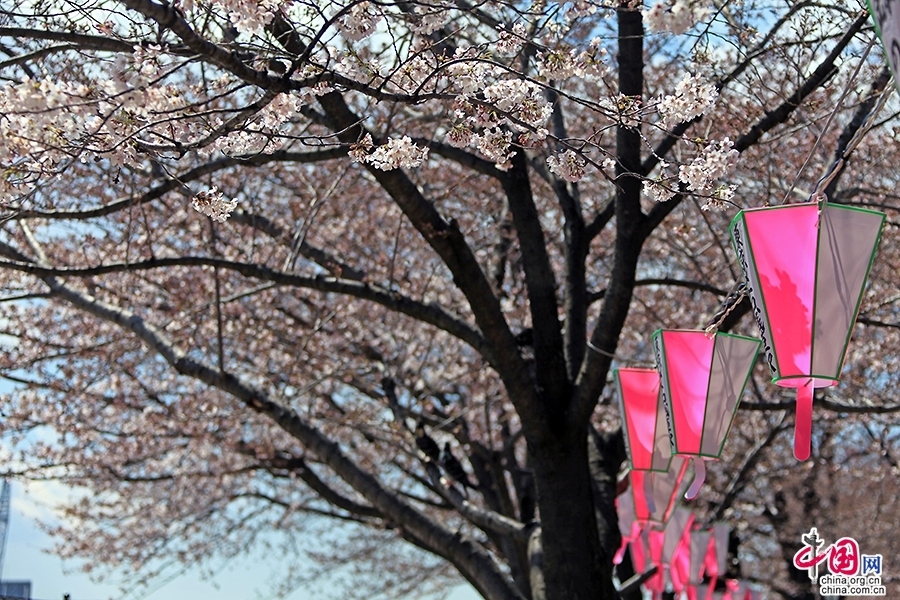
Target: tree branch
[488,520]
[774,117]
[539,280]
[179,181]
[629,222]
[433,314]
[473,561]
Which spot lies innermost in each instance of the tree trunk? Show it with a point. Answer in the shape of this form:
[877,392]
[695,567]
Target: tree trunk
[575,566]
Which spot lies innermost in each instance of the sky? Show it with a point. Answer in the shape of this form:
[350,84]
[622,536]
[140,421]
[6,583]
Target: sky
[27,559]
[51,578]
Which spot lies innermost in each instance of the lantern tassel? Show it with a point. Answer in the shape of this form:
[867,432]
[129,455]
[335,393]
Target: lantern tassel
[803,421]
[699,478]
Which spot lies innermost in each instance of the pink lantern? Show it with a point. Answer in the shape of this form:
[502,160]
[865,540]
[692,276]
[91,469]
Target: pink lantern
[644,419]
[806,266]
[654,493]
[703,378]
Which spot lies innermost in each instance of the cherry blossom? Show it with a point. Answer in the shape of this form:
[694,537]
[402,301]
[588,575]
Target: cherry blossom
[397,153]
[568,166]
[676,16]
[693,97]
[213,204]
[360,21]
[715,161]
[261,257]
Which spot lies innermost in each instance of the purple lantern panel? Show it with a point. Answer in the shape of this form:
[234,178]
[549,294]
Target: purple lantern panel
[806,266]
[644,419]
[703,378]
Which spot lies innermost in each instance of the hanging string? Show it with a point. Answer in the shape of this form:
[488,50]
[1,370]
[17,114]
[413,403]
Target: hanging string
[728,304]
[837,107]
[836,166]
[620,358]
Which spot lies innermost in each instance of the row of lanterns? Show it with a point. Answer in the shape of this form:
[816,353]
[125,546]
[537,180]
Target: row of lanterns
[805,267]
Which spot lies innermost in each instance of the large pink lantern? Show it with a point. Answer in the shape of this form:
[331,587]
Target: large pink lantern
[806,266]
[703,377]
[644,419]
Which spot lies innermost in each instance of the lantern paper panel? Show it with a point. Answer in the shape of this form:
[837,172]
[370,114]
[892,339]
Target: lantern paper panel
[675,530]
[680,567]
[629,528]
[701,547]
[717,566]
[702,380]
[644,416]
[654,493]
[887,24]
[806,296]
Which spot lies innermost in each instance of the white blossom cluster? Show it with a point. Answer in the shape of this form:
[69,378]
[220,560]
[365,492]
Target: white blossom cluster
[692,98]
[721,198]
[494,145]
[247,16]
[510,43]
[39,121]
[148,62]
[426,20]
[259,135]
[676,16]
[214,205]
[468,71]
[716,160]
[521,98]
[40,114]
[580,8]
[360,21]
[45,124]
[397,153]
[658,190]
[510,105]
[279,110]
[567,165]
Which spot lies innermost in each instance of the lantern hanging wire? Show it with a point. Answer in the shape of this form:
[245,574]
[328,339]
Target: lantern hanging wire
[831,116]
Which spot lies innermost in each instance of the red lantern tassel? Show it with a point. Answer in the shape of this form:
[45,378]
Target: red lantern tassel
[803,421]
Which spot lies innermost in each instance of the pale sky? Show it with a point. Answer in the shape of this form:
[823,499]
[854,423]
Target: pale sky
[50,578]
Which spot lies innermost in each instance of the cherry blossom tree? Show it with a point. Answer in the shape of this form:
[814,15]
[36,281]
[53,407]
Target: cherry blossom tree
[349,278]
